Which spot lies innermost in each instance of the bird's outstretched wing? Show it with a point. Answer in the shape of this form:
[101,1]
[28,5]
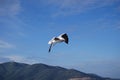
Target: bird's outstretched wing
[65,36]
[50,47]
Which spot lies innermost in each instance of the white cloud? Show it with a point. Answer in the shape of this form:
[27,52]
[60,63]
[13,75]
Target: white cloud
[13,26]
[68,7]
[21,59]
[4,44]
[4,59]
[9,7]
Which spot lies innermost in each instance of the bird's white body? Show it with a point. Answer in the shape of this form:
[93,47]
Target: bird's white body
[53,41]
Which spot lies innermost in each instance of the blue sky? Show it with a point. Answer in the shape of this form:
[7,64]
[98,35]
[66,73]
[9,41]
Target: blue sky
[93,27]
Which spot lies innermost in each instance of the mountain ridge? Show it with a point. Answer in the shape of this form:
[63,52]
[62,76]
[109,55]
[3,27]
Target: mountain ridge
[40,71]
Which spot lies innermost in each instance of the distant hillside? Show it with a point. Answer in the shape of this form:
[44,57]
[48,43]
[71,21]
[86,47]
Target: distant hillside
[21,71]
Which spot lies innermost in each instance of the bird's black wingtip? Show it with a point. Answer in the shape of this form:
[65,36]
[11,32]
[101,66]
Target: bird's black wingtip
[49,51]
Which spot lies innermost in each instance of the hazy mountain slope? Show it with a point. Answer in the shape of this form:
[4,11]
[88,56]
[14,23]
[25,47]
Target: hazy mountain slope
[20,71]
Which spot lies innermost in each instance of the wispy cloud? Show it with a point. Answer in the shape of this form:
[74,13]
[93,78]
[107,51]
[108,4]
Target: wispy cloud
[108,22]
[13,27]
[18,58]
[12,24]
[4,59]
[68,7]
[4,44]
[9,7]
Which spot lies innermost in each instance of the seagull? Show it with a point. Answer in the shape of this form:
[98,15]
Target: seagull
[61,38]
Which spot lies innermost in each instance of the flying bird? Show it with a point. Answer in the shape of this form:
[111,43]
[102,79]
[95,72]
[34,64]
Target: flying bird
[59,39]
